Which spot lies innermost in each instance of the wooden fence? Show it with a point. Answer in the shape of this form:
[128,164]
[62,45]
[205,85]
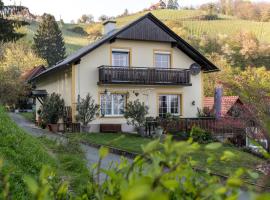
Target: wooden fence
[220,128]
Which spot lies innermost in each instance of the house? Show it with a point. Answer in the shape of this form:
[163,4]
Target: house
[143,60]
[157,6]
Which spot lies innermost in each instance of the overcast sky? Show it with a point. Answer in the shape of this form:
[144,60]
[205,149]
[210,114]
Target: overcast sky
[73,9]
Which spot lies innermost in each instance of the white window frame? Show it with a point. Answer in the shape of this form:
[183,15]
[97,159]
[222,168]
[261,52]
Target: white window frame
[119,51]
[112,105]
[163,53]
[168,102]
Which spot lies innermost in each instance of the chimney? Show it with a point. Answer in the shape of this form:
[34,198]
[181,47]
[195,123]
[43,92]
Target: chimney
[109,26]
[218,101]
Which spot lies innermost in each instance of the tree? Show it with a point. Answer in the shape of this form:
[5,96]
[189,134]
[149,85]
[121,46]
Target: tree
[173,4]
[176,4]
[16,58]
[125,12]
[135,114]
[87,110]
[8,26]
[253,87]
[48,41]
[170,4]
[52,108]
[103,18]
[86,19]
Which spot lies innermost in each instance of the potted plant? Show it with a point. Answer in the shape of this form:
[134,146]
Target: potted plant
[87,112]
[52,110]
[158,130]
[135,115]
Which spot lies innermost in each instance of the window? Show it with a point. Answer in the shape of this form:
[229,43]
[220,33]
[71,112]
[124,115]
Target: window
[169,104]
[120,58]
[113,104]
[162,59]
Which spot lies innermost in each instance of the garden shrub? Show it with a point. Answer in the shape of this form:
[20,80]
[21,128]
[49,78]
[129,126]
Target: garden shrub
[135,113]
[78,30]
[200,135]
[52,108]
[87,109]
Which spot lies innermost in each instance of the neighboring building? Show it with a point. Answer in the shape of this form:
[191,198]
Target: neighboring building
[231,106]
[31,73]
[26,104]
[160,5]
[144,60]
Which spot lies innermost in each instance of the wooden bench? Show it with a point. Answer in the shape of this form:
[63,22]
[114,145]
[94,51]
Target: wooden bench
[110,128]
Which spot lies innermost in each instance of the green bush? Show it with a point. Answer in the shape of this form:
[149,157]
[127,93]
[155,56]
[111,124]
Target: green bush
[87,109]
[52,109]
[135,113]
[200,135]
[162,172]
[78,30]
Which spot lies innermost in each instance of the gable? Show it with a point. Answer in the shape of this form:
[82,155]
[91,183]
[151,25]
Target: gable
[147,30]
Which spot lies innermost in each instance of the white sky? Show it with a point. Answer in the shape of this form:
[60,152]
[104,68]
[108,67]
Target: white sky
[73,9]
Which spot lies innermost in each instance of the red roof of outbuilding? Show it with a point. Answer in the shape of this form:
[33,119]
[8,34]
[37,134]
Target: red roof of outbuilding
[29,74]
[227,103]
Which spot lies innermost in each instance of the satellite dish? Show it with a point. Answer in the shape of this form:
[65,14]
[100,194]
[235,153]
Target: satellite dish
[195,69]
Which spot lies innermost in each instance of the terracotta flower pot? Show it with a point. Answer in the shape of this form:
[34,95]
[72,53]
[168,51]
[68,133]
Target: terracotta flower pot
[53,128]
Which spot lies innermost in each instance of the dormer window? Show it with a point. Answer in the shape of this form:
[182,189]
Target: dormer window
[120,58]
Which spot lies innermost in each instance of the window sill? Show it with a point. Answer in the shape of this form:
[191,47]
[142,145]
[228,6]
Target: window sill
[118,116]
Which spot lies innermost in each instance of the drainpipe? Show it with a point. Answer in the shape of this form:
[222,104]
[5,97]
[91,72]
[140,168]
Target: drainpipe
[218,101]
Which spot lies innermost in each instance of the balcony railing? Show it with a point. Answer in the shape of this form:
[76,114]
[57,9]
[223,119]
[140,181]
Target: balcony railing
[143,76]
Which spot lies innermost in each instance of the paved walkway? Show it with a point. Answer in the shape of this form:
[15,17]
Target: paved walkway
[91,153]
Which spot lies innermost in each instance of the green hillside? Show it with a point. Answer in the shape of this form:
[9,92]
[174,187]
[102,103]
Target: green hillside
[187,18]
[73,41]
[174,19]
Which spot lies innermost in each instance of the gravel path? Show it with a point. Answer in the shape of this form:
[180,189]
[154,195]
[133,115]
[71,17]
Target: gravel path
[91,153]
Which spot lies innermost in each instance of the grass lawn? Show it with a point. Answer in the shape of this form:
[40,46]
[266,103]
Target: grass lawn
[133,143]
[127,142]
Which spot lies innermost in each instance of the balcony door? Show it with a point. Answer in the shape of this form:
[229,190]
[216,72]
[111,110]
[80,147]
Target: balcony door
[162,59]
[120,58]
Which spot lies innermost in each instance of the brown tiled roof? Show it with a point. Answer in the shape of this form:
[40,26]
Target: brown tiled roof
[29,74]
[227,103]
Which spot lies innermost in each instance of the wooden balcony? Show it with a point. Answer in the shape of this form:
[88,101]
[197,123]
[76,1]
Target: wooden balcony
[143,76]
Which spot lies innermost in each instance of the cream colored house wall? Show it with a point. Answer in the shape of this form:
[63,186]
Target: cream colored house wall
[142,55]
[59,82]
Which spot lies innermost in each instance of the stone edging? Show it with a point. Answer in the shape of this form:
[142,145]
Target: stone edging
[112,150]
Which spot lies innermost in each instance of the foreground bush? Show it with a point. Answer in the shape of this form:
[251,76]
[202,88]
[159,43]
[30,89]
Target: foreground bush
[162,172]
